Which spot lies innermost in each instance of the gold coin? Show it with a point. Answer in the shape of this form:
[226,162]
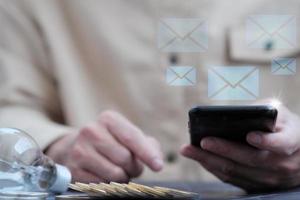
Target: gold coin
[149,190]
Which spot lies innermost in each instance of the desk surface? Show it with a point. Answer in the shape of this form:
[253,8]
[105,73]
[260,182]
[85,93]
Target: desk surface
[223,191]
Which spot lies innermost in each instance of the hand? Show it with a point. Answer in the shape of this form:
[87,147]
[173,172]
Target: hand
[109,149]
[271,162]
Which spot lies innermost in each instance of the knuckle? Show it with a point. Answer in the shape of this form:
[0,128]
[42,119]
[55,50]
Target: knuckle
[107,117]
[77,152]
[116,174]
[128,139]
[88,131]
[124,158]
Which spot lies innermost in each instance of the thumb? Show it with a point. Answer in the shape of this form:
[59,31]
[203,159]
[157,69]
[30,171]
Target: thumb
[283,142]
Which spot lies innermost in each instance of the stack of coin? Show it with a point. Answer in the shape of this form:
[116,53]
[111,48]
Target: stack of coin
[126,191]
[23,195]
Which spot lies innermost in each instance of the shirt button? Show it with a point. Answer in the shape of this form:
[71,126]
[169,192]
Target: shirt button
[173,59]
[171,157]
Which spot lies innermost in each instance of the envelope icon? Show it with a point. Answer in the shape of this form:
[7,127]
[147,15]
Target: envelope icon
[233,83]
[279,31]
[181,75]
[182,35]
[284,66]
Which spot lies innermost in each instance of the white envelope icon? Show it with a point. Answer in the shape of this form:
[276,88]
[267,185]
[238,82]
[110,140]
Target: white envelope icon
[181,75]
[233,83]
[284,66]
[279,31]
[182,35]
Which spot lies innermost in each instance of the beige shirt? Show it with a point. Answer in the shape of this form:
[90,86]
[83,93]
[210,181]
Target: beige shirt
[62,62]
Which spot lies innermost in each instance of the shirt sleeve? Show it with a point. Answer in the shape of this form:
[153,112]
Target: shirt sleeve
[29,98]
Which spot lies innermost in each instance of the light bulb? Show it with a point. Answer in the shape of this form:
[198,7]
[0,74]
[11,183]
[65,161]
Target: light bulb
[24,167]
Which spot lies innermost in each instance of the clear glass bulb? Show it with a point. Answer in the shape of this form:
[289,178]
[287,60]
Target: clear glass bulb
[24,167]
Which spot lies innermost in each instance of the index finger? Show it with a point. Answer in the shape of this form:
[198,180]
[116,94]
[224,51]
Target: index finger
[145,149]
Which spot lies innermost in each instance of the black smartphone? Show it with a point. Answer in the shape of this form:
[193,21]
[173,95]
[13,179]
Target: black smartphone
[230,122]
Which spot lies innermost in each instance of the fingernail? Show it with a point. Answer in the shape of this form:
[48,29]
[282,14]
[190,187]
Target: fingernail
[207,143]
[255,138]
[158,164]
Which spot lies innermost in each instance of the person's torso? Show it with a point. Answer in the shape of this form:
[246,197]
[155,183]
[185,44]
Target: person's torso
[106,55]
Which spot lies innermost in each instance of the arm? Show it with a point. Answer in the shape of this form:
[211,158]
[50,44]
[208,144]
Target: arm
[28,95]
[110,148]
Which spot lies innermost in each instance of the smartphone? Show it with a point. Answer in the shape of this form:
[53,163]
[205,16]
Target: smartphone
[230,122]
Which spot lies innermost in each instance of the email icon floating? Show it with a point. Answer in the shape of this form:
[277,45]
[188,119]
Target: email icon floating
[233,83]
[284,66]
[182,35]
[181,75]
[278,30]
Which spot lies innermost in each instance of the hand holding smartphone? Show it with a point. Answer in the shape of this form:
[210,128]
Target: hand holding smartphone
[230,122]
